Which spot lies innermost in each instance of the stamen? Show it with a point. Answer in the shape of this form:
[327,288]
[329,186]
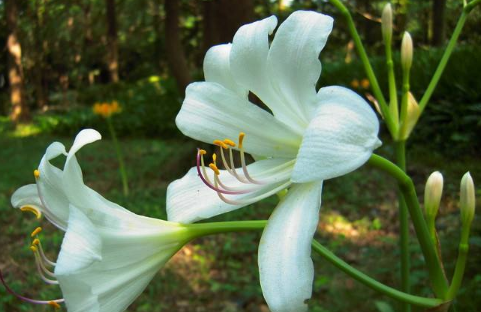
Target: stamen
[243,161]
[202,152]
[241,139]
[37,244]
[42,269]
[36,231]
[229,142]
[54,304]
[215,169]
[33,210]
[214,158]
[254,199]
[220,143]
[9,290]
[231,169]
[36,173]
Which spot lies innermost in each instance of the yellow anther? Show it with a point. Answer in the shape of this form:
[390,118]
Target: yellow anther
[36,231]
[33,210]
[241,138]
[214,168]
[54,304]
[202,152]
[36,173]
[214,158]
[229,142]
[221,144]
[36,242]
[33,248]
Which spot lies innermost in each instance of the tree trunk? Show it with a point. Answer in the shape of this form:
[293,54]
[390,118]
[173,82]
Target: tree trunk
[112,41]
[41,92]
[20,111]
[175,51]
[439,22]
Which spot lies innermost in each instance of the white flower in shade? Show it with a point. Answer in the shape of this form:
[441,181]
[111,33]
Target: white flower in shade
[108,254]
[303,138]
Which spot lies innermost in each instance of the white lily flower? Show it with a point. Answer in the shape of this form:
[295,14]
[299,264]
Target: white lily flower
[305,138]
[109,254]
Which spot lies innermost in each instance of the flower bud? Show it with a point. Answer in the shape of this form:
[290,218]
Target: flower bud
[386,23]
[467,202]
[412,116]
[433,193]
[407,51]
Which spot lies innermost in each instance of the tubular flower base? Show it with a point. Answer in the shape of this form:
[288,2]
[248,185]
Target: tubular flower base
[309,137]
[108,254]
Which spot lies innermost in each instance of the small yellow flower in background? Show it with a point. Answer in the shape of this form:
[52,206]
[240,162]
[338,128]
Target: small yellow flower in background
[107,109]
[355,83]
[365,83]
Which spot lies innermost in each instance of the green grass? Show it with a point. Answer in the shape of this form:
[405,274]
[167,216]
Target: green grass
[219,273]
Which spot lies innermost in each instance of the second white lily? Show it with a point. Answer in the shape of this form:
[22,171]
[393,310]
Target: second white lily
[309,137]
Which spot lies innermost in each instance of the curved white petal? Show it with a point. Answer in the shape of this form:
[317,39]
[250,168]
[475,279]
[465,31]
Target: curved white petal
[190,200]
[27,195]
[339,139]
[128,260]
[293,62]
[211,112]
[248,62]
[285,266]
[81,246]
[83,138]
[217,69]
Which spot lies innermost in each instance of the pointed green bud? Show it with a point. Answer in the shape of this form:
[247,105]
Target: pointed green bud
[433,193]
[386,24]
[407,51]
[467,202]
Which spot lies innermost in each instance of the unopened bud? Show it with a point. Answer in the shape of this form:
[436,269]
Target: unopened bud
[412,116]
[407,51]
[386,23]
[467,202]
[433,193]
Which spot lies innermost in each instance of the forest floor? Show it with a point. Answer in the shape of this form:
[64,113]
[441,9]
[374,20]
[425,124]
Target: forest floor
[219,273]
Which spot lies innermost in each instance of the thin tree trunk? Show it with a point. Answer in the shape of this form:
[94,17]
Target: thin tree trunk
[112,41]
[41,92]
[175,51]
[20,111]
[439,22]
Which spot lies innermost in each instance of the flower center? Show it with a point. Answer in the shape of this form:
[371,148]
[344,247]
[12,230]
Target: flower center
[263,185]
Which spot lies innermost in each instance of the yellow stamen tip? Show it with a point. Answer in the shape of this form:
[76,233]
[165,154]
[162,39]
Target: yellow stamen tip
[36,173]
[54,304]
[229,142]
[33,248]
[33,210]
[241,138]
[214,168]
[220,143]
[36,242]
[202,152]
[214,158]
[36,231]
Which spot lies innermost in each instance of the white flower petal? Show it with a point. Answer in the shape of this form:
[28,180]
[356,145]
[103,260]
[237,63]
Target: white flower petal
[81,246]
[339,139]
[293,62]
[128,260]
[217,69]
[27,196]
[285,265]
[83,138]
[190,200]
[211,112]
[248,62]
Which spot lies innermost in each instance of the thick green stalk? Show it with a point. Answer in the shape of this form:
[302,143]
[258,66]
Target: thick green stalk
[404,108]
[391,125]
[460,263]
[400,149]
[202,229]
[406,185]
[123,173]
[393,104]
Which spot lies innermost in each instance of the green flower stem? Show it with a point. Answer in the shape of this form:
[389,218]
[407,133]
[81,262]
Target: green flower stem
[393,104]
[123,173]
[391,125]
[447,54]
[406,185]
[400,149]
[404,107]
[460,263]
[372,283]
[203,229]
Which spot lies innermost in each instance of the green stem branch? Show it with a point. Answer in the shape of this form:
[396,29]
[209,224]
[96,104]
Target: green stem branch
[123,173]
[391,125]
[406,185]
[202,229]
